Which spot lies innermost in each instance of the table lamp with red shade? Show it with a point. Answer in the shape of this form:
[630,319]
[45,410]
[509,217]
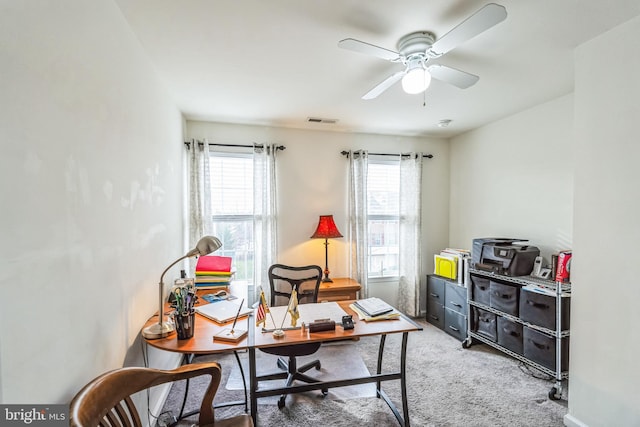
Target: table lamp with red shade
[326,230]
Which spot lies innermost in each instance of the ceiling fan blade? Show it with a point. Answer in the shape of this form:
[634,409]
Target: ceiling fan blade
[452,76]
[368,49]
[386,84]
[477,23]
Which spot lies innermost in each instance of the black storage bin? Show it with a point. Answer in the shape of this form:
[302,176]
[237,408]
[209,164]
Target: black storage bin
[541,348]
[480,290]
[539,308]
[504,297]
[484,323]
[509,334]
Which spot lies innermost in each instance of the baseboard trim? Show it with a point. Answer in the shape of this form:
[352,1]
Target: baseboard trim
[159,396]
[571,421]
[157,404]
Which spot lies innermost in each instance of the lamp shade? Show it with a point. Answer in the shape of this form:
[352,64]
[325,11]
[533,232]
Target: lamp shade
[205,246]
[326,228]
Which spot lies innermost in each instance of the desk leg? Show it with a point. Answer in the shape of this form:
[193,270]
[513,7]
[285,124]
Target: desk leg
[244,382]
[403,378]
[404,418]
[379,367]
[186,360]
[253,383]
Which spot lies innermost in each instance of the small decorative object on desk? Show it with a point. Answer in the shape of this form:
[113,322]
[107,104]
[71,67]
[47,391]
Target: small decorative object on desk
[322,325]
[232,334]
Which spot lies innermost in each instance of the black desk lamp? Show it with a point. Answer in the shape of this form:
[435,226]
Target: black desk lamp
[205,246]
[326,230]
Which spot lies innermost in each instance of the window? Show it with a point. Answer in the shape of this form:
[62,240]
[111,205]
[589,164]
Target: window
[232,209]
[383,207]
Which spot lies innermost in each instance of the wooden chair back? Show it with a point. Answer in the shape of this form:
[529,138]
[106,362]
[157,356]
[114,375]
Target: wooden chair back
[106,401]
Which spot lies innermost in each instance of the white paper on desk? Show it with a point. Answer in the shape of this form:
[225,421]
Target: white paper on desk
[308,313]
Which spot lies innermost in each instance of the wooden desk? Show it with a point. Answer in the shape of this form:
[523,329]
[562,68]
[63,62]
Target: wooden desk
[259,339]
[341,289]
[202,343]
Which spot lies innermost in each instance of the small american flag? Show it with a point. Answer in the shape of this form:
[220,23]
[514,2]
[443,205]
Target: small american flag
[263,309]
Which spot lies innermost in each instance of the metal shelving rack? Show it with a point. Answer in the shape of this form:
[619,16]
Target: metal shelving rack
[560,289]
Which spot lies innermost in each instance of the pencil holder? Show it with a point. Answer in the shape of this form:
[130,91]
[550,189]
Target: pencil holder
[185,324]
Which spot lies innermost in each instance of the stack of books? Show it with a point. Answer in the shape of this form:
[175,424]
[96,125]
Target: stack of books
[213,271]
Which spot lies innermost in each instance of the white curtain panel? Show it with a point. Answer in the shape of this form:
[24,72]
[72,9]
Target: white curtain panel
[200,220]
[358,244]
[264,217]
[409,236]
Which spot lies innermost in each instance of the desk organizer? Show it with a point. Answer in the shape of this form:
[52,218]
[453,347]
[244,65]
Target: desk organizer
[185,324]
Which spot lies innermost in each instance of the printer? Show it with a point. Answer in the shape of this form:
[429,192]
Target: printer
[501,255]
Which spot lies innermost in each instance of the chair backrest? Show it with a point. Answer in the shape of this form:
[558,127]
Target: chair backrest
[284,278]
[107,399]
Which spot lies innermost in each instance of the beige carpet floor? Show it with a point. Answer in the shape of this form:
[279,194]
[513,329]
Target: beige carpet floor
[447,386]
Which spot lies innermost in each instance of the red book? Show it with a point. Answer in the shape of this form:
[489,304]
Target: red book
[214,263]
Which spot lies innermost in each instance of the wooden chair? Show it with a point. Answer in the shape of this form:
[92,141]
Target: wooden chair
[106,401]
[306,281]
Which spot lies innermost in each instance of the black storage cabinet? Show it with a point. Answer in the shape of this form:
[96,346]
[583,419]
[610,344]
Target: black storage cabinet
[447,306]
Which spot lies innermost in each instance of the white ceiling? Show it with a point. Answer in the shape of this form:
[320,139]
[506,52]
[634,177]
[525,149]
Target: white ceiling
[276,62]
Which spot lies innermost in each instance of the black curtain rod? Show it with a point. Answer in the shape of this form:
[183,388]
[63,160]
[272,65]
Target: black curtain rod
[278,147]
[428,156]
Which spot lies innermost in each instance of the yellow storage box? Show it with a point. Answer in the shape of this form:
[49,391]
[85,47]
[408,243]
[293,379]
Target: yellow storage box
[446,266]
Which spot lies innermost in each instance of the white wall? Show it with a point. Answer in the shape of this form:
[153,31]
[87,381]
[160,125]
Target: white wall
[514,178]
[90,178]
[604,377]
[586,171]
[313,180]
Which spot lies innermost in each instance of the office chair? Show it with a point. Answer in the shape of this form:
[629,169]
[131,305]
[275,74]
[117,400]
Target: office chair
[107,399]
[306,281]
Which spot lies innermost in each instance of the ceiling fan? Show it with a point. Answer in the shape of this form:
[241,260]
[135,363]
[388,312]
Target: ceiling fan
[418,48]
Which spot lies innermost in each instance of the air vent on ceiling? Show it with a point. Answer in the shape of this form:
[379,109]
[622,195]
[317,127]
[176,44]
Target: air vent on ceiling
[321,120]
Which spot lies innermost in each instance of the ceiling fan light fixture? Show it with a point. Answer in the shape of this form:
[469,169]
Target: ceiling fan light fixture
[416,80]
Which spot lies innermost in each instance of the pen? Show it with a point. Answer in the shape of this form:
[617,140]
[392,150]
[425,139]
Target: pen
[236,319]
